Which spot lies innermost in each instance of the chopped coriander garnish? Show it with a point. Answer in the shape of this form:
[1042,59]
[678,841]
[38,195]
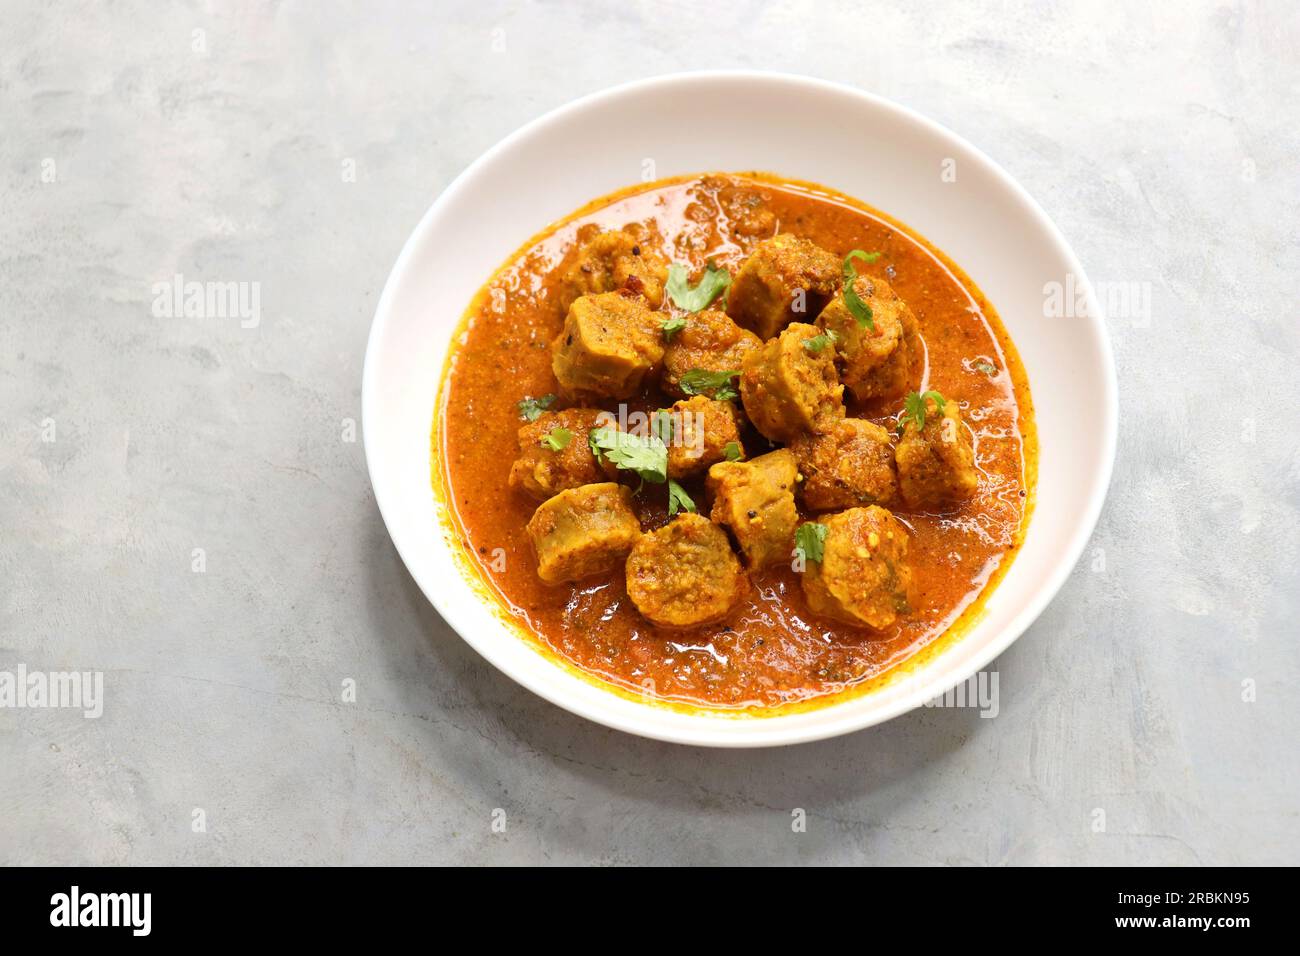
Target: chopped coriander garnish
[860,310]
[810,540]
[914,406]
[988,368]
[678,499]
[648,457]
[714,282]
[818,343]
[530,409]
[672,326]
[732,451]
[699,381]
[558,439]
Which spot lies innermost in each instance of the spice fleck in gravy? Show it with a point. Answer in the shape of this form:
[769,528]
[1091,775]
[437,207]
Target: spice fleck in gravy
[770,651]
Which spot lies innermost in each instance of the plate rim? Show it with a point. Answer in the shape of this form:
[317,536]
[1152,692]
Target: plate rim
[711,730]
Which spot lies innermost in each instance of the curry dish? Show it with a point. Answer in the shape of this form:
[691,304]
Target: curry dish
[735,441]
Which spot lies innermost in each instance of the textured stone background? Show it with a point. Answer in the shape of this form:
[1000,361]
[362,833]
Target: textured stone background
[1164,143]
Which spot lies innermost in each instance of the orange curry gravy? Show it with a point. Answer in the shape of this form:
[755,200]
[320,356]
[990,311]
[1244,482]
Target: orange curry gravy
[771,651]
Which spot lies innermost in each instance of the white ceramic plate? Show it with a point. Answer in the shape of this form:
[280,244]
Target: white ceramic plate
[806,129]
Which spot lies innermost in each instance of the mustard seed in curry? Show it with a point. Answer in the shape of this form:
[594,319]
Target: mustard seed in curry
[744,442]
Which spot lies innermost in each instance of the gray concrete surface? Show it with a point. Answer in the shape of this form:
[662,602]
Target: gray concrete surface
[1150,716]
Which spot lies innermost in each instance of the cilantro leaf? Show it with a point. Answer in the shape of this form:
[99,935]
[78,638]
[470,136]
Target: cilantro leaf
[732,451]
[714,282]
[915,409]
[860,310]
[818,343]
[699,381]
[810,540]
[648,457]
[530,409]
[558,439]
[671,327]
[678,499]
[988,368]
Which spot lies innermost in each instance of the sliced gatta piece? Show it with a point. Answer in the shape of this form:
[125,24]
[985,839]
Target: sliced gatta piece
[685,573]
[785,279]
[755,499]
[708,341]
[790,387]
[863,576]
[881,358]
[702,431]
[554,454]
[609,344]
[611,261]
[935,458]
[850,466]
[583,531]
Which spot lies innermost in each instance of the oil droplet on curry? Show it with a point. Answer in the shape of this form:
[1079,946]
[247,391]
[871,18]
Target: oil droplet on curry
[864,488]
